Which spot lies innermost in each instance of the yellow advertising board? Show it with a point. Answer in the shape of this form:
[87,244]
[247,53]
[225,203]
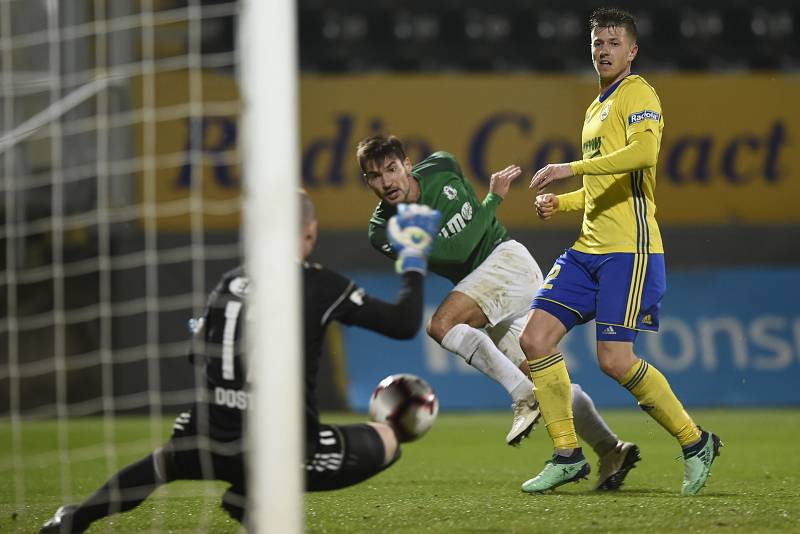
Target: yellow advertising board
[186,136]
[730,151]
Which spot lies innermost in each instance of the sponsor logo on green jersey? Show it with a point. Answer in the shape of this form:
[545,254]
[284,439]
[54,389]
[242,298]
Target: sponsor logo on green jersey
[457,222]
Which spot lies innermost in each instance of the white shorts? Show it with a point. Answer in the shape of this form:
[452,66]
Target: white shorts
[503,285]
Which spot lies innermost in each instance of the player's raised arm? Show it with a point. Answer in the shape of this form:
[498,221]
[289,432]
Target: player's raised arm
[640,115]
[501,181]
[457,248]
[641,152]
[550,173]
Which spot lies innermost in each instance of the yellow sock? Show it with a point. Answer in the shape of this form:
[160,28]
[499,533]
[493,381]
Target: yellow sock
[655,397]
[554,393]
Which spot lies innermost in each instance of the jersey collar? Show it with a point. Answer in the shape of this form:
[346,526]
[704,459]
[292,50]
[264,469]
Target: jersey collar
[612,89]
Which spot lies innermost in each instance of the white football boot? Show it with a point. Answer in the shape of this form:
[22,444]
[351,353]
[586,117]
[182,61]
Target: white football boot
[615,465]
[526,414]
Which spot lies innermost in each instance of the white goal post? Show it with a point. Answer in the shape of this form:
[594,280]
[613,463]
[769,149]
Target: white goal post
[270,155]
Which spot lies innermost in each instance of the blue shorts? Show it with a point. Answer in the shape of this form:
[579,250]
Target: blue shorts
[621,291]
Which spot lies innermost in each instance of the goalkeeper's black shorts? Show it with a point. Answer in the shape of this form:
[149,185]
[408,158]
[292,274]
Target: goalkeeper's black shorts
[196,452]
[345,455]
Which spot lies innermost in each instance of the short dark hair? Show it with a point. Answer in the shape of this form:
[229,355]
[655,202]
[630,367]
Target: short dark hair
[378,148]
[610,17]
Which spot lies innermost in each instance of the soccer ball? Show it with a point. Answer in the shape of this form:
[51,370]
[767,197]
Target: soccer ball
[406,403]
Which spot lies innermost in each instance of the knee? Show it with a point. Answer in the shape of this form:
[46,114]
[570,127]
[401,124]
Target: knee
[535,343]
[615,361]
[605,359]
[541,335]
[438,327]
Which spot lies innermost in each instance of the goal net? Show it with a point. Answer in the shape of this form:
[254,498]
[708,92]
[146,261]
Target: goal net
[120,202]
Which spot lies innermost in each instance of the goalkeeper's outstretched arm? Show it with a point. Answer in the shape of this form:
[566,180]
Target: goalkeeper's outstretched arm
[400,319]
[411,234]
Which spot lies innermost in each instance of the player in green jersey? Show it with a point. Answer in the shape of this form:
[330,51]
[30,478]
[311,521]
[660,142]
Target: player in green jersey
[469,235]
[495,278]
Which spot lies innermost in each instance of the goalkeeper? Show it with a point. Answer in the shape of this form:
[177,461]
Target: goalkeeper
[207,441]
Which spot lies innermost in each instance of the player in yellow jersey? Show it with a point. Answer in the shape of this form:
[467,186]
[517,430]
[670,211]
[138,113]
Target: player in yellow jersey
[614,273]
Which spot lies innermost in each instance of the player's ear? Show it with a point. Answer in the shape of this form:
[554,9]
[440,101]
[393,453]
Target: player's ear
[633,51]
[308,238]
[407,164]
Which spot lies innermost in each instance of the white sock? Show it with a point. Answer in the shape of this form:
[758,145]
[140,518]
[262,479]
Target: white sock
[508,343]
[506,339]
[478,350]
[589,425]
[524,390]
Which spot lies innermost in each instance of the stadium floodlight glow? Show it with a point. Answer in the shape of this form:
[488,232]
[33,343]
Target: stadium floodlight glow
[271,226]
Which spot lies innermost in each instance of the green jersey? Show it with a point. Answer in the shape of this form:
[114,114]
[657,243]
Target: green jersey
[470,231]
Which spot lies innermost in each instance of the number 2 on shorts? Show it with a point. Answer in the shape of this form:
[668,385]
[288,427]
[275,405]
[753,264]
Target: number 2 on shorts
[547,284]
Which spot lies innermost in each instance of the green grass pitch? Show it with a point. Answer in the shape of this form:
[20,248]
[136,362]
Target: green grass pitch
[459,478]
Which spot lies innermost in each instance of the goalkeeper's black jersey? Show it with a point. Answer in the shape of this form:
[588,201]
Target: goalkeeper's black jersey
[327,296]
[218,345]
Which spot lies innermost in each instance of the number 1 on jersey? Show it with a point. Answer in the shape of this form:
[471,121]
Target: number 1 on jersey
[232,310]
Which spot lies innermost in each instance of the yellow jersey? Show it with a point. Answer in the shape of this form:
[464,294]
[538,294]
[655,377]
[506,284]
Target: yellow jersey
[619,209]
